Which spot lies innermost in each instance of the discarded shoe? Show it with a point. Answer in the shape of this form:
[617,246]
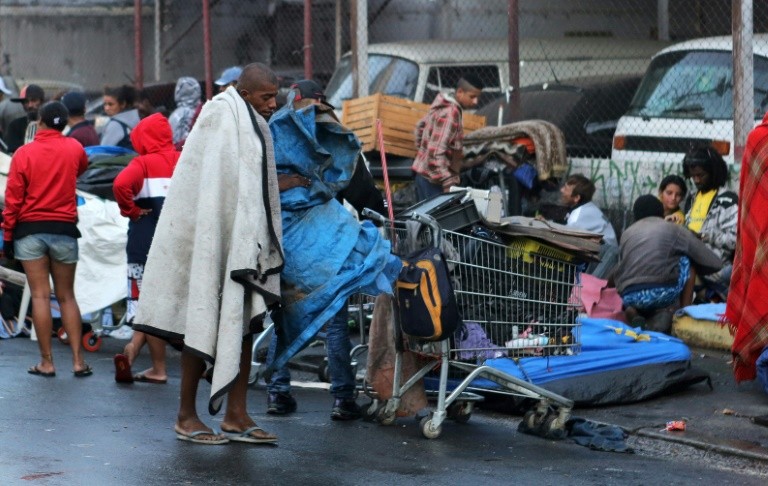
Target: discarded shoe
[280,404]
[263,437]
[123,372]
[345,409]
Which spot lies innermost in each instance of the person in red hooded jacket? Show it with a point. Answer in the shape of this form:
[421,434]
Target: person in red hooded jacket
[40,229]
[140,191]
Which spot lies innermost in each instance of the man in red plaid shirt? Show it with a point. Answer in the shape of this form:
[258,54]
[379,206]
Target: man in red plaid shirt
[439,139]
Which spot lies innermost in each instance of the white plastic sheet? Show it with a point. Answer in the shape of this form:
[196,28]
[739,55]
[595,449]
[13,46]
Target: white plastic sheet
[101,271]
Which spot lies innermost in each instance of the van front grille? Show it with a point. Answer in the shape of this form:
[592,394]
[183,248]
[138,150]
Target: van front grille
[663,144]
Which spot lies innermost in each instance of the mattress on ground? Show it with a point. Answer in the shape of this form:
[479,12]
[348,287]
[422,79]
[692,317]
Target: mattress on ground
[617,364]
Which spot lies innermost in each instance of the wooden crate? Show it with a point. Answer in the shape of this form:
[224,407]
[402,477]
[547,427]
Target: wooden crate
[398,118]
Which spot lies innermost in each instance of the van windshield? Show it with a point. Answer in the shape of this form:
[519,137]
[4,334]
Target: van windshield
[694,84]
[386,74]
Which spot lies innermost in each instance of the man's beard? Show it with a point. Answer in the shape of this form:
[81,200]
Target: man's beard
[32,115]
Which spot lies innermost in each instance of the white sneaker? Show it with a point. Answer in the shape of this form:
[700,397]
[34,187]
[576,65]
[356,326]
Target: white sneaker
[123,332]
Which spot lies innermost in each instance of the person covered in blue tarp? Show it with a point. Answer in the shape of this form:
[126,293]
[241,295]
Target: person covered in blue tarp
[329,254]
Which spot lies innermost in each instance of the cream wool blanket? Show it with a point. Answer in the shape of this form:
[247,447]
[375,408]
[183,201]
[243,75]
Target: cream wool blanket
[215,259]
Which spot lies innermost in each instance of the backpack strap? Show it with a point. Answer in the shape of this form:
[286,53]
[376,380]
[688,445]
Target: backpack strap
[124,142]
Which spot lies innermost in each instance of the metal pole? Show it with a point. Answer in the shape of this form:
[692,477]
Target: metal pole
[513,39]
[662,19]
[307,39]
[207,49]
[157,40]
[337,32]
[137,50]
[353,46]
[362,48]
[743,76]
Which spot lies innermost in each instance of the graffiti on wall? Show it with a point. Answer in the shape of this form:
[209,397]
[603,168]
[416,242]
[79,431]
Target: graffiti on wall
[619,184]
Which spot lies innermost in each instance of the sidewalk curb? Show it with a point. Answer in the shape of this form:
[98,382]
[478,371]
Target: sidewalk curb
[703,445]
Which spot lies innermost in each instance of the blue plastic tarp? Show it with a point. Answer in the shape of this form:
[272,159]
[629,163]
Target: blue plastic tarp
[329,255]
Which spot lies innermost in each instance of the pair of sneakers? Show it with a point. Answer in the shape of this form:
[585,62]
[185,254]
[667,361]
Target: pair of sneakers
[284,403]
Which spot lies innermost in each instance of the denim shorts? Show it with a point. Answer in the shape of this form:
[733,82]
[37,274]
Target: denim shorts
[60,248]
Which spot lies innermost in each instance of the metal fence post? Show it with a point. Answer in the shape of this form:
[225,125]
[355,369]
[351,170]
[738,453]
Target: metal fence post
[743,76]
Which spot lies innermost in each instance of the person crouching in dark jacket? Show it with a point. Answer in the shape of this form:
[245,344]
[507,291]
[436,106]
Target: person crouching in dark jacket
[658,264]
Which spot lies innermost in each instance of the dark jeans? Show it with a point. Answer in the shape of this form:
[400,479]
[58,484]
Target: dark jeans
[425,189]
[338,347]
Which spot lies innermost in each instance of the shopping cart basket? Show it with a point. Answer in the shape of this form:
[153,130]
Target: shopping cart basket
[516,298]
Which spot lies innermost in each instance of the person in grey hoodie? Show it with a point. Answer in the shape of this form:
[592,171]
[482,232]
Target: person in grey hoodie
[658,264]
[188,100]
[118,103]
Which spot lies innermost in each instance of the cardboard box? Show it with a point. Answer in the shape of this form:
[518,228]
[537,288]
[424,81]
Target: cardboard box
[398,116]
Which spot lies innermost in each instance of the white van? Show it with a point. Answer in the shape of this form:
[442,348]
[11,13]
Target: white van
[418,70]
[686,99]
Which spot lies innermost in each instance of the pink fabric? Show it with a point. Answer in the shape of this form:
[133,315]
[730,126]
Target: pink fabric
[599,300]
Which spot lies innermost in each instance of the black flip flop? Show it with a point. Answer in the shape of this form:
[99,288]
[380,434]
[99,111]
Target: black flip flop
[36,371]
[87,371]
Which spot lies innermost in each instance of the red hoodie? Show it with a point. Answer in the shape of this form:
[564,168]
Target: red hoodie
[144,183]
[42,181]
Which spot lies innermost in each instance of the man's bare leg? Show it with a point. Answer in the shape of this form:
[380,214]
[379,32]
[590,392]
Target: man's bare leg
[236,418]
[187,420]
[686,296]
[133,348]
[158,370]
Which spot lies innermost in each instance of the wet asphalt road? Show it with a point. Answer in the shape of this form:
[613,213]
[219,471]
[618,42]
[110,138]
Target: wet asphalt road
[67,430]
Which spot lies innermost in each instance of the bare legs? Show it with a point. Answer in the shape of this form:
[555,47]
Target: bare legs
[38,272]
[236,417]
[686,296]
[156,353]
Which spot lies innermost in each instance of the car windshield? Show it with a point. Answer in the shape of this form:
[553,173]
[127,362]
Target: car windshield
[694,84]
[386,74]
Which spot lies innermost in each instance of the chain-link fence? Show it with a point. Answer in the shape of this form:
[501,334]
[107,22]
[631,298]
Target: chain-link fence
[580,61]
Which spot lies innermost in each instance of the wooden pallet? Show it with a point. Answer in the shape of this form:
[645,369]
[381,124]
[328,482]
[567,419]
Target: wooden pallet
[398,116]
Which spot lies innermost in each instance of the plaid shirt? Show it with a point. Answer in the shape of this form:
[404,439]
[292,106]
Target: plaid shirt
[439,137]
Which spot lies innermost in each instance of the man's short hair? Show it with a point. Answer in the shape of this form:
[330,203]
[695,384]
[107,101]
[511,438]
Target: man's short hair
[470,81]
[646,206]
[582,187]
[75,103]
[255,76]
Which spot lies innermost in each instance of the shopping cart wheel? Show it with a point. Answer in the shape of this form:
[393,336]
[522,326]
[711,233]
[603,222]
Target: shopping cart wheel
[532,420]
[427,428]
[371,411]
[553,428]
[384,417]
[91,342]
[460,412]
[62,335]
[323,372]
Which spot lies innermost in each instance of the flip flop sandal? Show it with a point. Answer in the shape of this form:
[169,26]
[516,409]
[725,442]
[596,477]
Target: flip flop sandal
[193,437]
[142,378]
[34,370]
[123,372]
[245,436]
[87,371]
